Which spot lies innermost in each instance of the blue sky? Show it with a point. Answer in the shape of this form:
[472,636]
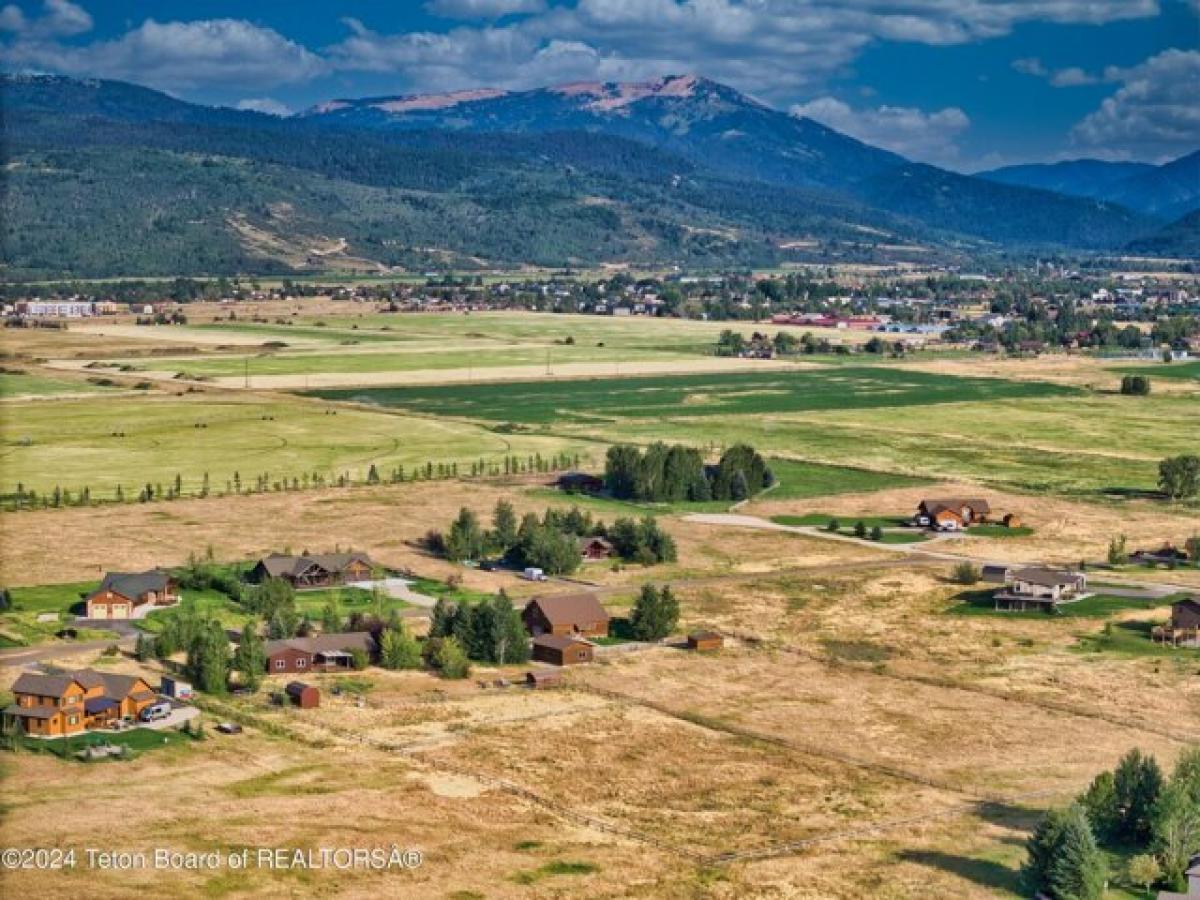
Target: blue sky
[961,83]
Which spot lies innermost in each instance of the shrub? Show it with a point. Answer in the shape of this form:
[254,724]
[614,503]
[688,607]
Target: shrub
[965,573]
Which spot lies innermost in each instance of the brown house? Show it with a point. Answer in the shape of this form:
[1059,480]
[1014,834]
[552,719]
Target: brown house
[1184,628]
[565,614]
[561,650]
[313,570]
[303,695]
[56,705]
[126,595]
[705,640]
[952,513]
[594,549]
[318,653]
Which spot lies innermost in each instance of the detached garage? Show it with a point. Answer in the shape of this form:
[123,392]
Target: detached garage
[561,650]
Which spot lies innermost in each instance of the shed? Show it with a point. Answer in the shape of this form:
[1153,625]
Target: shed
[705,640]
[561,650]
[543,678]
[305,696]
[175,687]
[1012,520]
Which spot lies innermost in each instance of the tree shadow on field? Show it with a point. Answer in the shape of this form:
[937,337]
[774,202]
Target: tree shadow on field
[984,872]
[1007,815]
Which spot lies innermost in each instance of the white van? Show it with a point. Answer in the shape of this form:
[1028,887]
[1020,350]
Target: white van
[155,711]
[532,574]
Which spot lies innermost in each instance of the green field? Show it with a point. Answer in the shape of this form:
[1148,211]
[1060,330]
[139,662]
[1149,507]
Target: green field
[132,440]
[1189,369]
[700,396]
[25,385]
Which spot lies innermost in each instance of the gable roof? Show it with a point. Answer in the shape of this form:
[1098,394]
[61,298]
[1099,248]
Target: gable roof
[116,686]
[324,643]
[1188,605]
[134,584]
[1047,577]
[43,685]
[278,565]
[558,641]
[570,609]
[975,504]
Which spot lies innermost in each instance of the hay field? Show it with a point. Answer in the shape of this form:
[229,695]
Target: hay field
[132,440]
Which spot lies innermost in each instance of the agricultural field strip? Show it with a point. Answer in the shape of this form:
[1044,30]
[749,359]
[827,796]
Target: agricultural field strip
[798,390]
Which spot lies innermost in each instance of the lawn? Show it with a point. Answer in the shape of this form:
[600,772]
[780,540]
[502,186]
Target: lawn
[1097,606]
[1132,638]
[999,531]
[20,623]
[207,603]
[821,520]
[138,740]
[696,395]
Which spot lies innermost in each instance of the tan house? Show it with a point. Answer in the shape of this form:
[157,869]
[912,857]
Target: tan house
[57,705]
[1038,588]
[566,614]
[129,595]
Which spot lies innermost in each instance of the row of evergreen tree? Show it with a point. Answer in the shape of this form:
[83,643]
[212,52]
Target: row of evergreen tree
[22,498]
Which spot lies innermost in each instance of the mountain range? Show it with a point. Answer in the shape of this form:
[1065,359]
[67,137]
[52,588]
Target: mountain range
[107,178]
[1169,191]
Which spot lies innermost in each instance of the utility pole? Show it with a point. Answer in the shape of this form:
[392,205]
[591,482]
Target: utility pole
[247,361]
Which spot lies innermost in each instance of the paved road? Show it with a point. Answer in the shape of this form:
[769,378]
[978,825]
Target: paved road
[20,656]
[1130,587]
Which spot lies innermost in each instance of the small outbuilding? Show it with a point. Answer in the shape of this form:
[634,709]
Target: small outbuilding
[305,696]
[1012,520]
[175,687]
[539,679]
[561,650]
[705,640]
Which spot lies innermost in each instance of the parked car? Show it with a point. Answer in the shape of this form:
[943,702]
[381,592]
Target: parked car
[155,711]
[532,574]
[229,728]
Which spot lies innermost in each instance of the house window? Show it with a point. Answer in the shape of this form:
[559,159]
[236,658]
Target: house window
[301,663]
[72,720]
[279,663]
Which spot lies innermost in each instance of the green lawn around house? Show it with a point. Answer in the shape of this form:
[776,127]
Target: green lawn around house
[138,740]
[1132,638]
[822,520]
[207,603]
[1097,606]
[999,531]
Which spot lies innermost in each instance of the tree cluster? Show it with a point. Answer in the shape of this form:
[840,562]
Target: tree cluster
[489,631]
[1179,476]
[1132,807]
[674,473]
[655,613]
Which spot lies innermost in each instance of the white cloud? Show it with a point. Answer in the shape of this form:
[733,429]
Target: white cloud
[1153,115]
[772,48]
[913,133]
[180,55]
[268,105]
[1072,76]
[484,9]
[59,18]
